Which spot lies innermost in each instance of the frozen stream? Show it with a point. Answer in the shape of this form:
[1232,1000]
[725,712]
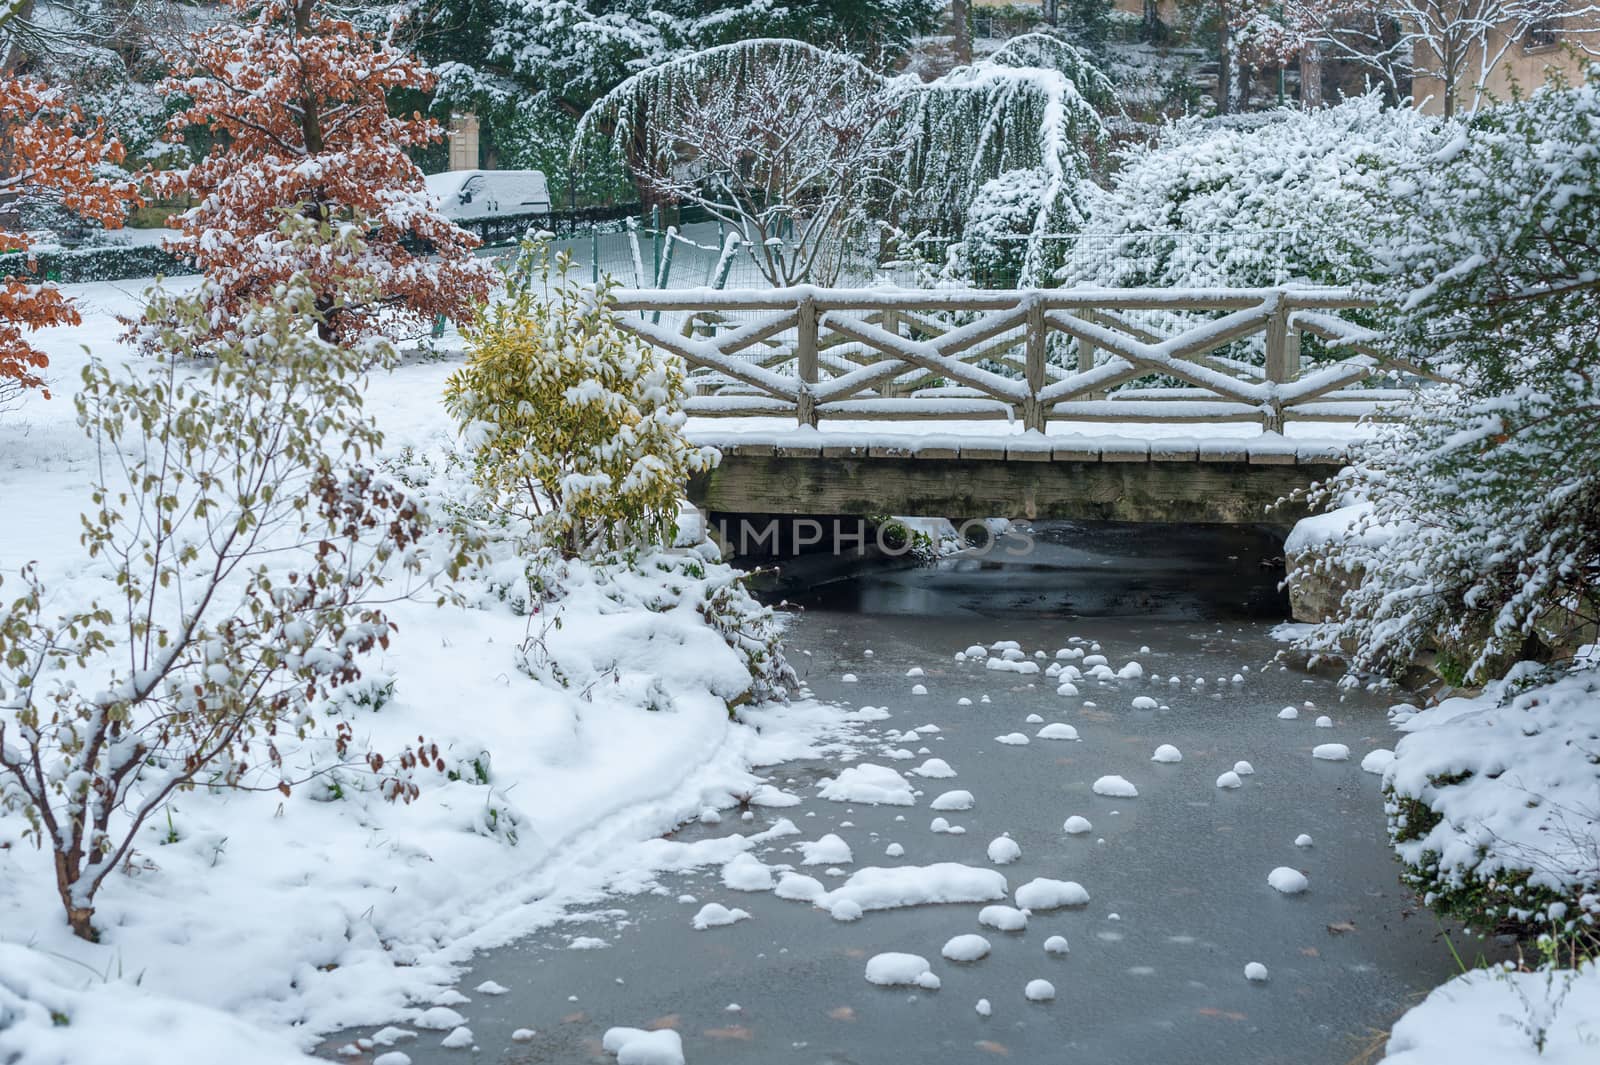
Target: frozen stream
[1177,876]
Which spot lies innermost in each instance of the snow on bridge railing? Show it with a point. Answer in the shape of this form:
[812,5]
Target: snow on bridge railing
[1099,354]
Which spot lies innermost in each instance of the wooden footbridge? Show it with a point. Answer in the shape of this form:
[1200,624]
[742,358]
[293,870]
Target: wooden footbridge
[1133,404]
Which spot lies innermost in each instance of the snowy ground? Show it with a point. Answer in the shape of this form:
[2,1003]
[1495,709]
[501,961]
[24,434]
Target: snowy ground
[254,922]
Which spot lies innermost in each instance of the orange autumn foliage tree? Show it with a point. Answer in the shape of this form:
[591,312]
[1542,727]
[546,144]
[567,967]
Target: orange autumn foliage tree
[294,101]
[48,151]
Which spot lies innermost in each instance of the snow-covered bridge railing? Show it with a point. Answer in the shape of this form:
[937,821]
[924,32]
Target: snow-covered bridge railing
[1038,355]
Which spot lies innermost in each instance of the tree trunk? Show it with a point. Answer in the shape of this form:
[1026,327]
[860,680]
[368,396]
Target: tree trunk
[1052,12]
[960,31]
[1150,28]
[1311,77]
[80,918]
[1228,80]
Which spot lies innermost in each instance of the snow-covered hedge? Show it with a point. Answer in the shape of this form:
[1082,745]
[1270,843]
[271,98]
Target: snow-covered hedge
[112,263]
[1494,801]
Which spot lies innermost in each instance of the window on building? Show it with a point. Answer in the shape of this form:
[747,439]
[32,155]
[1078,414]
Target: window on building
[1544,33]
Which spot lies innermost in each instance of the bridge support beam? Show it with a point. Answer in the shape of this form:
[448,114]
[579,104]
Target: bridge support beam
[1208,492]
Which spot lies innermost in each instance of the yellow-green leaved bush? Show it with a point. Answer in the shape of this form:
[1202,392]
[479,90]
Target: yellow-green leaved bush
[574,426]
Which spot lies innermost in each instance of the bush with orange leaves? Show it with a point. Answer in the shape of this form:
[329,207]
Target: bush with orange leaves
[294,100]
[48,150]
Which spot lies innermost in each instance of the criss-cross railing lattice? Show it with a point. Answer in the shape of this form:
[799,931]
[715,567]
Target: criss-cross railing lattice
[1037,355]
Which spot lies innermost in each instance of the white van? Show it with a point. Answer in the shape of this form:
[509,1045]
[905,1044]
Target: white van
[466,194]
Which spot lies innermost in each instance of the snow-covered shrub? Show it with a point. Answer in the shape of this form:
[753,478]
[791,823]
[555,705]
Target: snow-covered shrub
[1494,803]
[1286,199]
[245,550]
[575,427]
[994,243]
[1490,484]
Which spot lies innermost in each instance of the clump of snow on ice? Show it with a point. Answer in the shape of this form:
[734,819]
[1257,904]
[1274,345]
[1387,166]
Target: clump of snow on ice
[941,825]
[1067,688]
[393,1057]
[1167,753]
[799,887]
[969,947]
[893,968]
[1331,752]
[1033,719]
[977,650]
[1255,972]
[747,873]
[914,671]
[952,800]
[439,1019]
[1377,761]
[489,987]
[1012,739]
[1230,779]
[1042,893]
[1115,787]
[919,689]
[1144,702]
[844,910]
[1039,991]
[1003,918]
[717,915]
[829,850]
[983,1008]
[1324,722]
[1302,840]
[1076,825]
[848,678]
[889,887]
[868,783]
[1288,713]
[635,1046]
[1094,660]
[1057,730]
[1131,671]
[520,1035]
[458,1039]
[894,850]
[1287,880]
[1003,850]
[963,701]
[1056,945]
[1243,768]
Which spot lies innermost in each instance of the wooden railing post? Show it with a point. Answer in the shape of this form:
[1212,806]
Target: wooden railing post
[1032,410]
[805,407]
[891,325]
[1278,361]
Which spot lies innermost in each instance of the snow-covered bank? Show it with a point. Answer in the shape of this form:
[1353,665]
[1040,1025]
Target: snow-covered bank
[1494,800]
[569,739]
[1504,1017]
